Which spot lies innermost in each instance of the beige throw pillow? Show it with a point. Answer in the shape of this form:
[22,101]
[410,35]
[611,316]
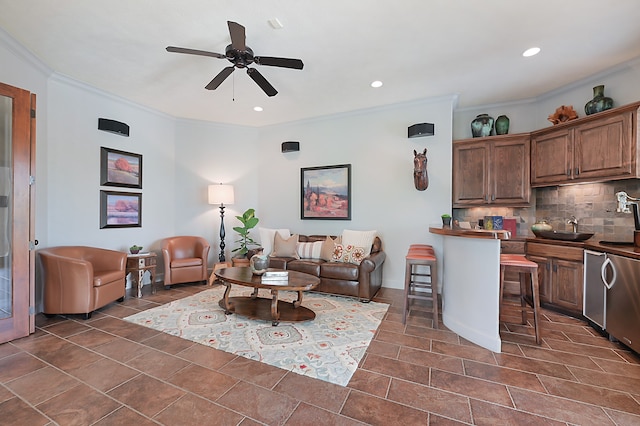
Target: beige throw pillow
[285,247]
[328,247]
[268,235]
[310,250]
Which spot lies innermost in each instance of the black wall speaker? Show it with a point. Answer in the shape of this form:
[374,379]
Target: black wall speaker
[113,126]
[290,146]
[422,129]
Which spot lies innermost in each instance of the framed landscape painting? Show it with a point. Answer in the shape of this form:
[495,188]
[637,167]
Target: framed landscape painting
[120,168]
[326,192]
[120,209]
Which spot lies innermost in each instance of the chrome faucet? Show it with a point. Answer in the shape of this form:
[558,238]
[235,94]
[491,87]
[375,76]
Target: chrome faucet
[624,200]
[574,223]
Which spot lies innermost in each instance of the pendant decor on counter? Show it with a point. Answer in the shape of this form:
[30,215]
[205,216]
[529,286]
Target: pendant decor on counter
[502,125]
[482,126]
[599,102]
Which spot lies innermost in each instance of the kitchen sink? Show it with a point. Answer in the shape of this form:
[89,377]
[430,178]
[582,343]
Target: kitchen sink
[564,235]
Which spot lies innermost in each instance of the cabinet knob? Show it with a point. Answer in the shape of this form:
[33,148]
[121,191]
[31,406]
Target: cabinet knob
[493,197]
[577,172]
[568,172]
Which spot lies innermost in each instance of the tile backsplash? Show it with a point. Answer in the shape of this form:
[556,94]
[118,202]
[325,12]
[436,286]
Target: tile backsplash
[593,205]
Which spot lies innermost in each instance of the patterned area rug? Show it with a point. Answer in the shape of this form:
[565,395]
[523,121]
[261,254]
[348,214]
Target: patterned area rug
[328,348]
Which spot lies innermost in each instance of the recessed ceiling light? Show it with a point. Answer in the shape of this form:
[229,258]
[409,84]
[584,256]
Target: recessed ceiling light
[258,109]
[376,84]
[531,52]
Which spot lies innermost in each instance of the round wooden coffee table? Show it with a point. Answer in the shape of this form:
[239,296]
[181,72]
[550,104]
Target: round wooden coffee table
[255,307]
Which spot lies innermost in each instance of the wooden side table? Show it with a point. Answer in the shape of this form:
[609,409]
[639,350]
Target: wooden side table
[137,265]
[217,266]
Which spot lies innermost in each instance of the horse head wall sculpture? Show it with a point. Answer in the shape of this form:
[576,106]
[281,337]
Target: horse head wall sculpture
[420,177]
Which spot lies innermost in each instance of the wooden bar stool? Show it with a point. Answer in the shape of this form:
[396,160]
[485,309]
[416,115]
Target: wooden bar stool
[523,266]
[420,284]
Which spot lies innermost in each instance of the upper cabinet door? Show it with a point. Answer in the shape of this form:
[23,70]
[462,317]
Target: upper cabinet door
[470,174]
[551,157]
[603,148]
[510,172]
[491,171]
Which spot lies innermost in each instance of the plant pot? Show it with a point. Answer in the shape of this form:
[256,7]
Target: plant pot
[134,251]
[241,262]
[446,221]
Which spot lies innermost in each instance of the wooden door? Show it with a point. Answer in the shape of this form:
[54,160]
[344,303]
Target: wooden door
[470,173]
[17,146]
[603,148]
[509,175]
[544,277]
[552,157]
[567,278]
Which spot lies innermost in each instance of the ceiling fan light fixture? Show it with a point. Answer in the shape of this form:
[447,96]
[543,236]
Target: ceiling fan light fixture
[532,51]
[376,84]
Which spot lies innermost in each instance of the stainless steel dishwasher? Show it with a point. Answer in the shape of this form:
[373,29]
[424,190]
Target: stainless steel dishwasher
[617,286]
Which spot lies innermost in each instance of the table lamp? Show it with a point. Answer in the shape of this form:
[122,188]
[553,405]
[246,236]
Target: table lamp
[221,194]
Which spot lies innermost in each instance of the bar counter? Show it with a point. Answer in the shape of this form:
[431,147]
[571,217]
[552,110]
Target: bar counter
[471,283]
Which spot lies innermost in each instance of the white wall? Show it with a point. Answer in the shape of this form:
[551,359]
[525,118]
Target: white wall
[384,198]
[621,84]
[210,153]
[73,163]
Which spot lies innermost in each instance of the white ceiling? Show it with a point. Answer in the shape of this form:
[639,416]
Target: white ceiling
[418,48]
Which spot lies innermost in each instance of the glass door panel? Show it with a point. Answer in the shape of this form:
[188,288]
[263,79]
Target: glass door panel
[6,174]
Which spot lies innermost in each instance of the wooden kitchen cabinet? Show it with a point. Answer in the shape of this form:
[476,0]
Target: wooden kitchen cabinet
[599,147]
[491,171]
[560,276]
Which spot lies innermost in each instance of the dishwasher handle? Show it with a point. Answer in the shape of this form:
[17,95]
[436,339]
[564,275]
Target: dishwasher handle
[607,262]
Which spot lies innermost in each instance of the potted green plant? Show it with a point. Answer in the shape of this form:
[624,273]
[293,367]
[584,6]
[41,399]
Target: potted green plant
[135,249]
[249,221]
[446,219]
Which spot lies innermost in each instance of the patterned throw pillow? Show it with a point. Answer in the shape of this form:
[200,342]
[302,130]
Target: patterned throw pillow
[362,239]
[310,250]
[348,254]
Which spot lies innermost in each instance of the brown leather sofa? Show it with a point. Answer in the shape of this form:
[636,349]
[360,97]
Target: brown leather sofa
[348,279]
[185,259]
[80,279]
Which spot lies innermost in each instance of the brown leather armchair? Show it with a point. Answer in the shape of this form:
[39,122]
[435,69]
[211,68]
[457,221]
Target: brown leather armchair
[185,259]
[80,279]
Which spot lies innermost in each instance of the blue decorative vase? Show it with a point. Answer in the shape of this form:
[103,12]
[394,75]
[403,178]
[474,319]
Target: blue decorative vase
[502,125]
[599,102]
[482,126]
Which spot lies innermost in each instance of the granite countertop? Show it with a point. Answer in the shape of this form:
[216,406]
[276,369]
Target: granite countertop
[470,233]
[627,250]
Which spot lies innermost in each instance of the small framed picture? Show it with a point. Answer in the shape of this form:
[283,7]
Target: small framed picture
[326,192]
[120,209]
[120,168]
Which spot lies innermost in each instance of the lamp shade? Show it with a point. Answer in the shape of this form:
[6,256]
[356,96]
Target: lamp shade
[221,194]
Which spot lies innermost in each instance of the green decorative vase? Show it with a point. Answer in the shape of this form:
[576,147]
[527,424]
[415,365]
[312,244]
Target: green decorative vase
[599,102]
[502,125]
[482,126]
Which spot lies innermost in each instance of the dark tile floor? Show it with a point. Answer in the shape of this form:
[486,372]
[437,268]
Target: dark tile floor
[106,371]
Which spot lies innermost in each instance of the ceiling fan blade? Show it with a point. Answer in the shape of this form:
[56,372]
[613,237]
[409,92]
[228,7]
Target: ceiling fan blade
[218,79]
[262,82]
[175,49]
[238,37]
[279,62]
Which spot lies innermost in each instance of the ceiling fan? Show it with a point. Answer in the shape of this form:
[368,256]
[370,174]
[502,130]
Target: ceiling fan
[241,56]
